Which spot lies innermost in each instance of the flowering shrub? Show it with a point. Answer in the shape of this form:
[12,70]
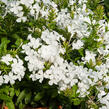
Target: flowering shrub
[55,49]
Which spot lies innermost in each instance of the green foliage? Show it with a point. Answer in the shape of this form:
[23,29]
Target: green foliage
[98,6]
[6,95]
[3,46]
[2,9]
[10,104]
[92,4]
[106,2]
[99,13]
[38,96]
[91,42]
[24,98]
[73,95]
[61,3]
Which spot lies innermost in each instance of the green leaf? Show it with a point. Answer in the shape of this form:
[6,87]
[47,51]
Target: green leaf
[53,105]
[21,105]
[38,96]
[17,92]
[4,97]
[11,92]
[74,90]
[10,105]
[3,45]
[15,36]
[4,90]
[106,2]
[61,3]
[76,101]
[28,98]
[81,52]
[18,42]
[21,97]
[54,94]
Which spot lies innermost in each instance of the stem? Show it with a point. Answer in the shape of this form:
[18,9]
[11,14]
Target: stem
[3,104]
[19,46]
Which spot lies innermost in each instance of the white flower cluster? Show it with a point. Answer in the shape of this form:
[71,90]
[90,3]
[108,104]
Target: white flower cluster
[17,70]
[77,45]
[60,72]
[18,11]
[34,8]
[90,56]
[39,53]
[46,50]
[77,24]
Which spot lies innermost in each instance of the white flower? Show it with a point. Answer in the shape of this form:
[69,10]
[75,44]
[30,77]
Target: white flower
[7,59]
[40,76]
[103,51]
[48,52]
[103,107]
[17,69]
[77,45]
[21,17]
[102,93]
[15,8]
[34,10]
[5,1]
[71,2]
[46,1]
[35,43]
[9,78]
[1,80]
[106,37]
[6,79]
[27,3]
[35,64]
[0,72]
[105,100]
[51,37]
[90,56]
